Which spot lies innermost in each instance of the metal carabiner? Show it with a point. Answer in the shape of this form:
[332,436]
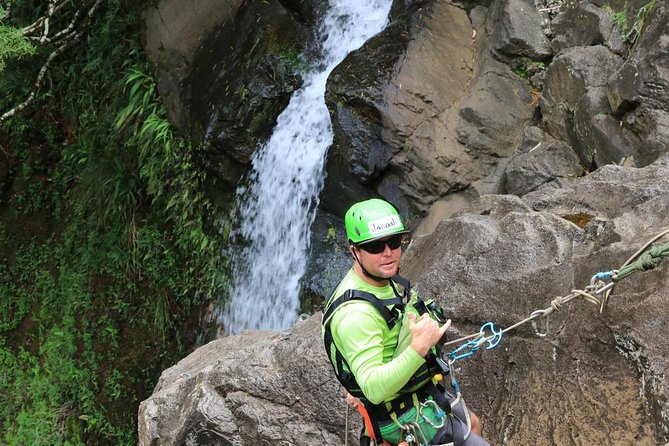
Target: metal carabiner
[605,290]
[536,314]
[438,410]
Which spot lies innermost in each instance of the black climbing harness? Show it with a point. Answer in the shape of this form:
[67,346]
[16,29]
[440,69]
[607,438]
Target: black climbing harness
[391,310]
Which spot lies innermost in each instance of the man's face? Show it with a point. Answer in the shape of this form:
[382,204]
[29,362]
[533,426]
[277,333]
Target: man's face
[384,263]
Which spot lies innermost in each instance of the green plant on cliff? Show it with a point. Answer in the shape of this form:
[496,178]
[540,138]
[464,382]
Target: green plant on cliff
[631,32]
[108,239]
[529,68]
[620,20]
[12,42]
[639,21]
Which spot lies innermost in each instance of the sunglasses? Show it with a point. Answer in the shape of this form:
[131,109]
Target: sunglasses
[378,246]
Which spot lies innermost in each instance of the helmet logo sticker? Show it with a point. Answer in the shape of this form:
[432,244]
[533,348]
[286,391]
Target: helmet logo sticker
[383,224]
[357,231]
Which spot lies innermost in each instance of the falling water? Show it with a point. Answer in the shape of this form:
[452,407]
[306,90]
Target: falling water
[277,208]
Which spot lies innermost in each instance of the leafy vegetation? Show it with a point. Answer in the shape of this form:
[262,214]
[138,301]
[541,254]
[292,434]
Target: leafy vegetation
[630,32]
[108,239]
[12,42]
[529,68]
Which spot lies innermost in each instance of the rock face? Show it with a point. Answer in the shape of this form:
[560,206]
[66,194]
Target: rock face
[432,120]
[593,380]
[226,70]
[437,104]
[506,257]
[260,388]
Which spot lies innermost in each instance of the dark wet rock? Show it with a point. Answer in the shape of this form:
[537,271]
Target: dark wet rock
[329,260]
[546,164]
[172,37]
[226,72]
[517,30]
[583,24]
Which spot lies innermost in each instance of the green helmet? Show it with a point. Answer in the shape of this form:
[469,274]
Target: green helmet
[373,219]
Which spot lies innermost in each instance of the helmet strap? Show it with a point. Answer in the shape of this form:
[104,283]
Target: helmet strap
[367,273]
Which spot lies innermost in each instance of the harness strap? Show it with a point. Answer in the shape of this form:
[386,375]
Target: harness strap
[390,316]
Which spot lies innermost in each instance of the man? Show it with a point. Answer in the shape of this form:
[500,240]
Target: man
[381,341]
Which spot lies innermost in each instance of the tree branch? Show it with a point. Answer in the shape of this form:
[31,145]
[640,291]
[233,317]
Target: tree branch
[63,39]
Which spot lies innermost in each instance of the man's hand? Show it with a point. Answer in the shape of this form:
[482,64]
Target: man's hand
[425,332]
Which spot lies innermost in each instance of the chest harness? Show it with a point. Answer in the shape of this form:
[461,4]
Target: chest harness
[391,310]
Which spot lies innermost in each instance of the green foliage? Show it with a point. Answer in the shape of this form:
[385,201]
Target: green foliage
[175,177]
[631,32]
[44,388]
[529,68]
[639,20]
[12,43]
[620,20]
[119,250]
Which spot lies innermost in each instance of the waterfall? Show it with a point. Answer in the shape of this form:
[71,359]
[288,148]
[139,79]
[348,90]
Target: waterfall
[277,207]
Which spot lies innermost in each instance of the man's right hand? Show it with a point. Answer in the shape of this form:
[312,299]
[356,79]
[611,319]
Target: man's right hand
[425,332]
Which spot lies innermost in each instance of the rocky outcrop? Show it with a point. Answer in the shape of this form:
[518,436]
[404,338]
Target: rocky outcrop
[435,105]
[505,257]
[227,70]
[252,389]
[428,110]
[433,120]
[595,379]
[593,97]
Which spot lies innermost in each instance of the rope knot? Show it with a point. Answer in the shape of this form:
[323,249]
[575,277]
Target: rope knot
[556,303]
[649,260]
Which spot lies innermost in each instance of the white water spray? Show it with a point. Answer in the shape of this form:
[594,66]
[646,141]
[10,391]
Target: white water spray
[277,209]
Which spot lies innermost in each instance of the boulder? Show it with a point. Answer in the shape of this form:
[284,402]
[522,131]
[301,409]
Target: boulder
[422,110]
[539,163]
[574,105]
[584,24]
[259,388]
[518,32]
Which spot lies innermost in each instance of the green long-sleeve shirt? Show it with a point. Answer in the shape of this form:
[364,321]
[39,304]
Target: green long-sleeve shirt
[369,347]
[381,359]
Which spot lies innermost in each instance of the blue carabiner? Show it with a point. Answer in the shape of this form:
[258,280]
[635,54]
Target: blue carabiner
[603,275]
[473,346]
[496,335]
